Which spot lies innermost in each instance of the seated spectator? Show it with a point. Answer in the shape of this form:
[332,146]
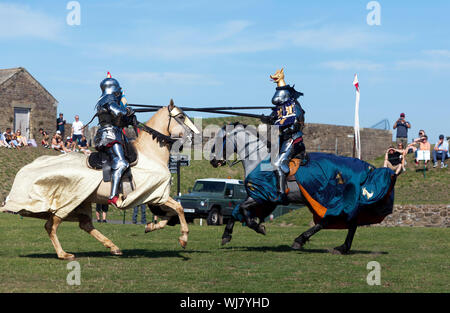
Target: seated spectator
[83,146]
[395,159]
[3,141]
[22,140]
[10,139]
[58,144]
[45,138]
[68,143]
[440,151]
[424,145]
[412,147]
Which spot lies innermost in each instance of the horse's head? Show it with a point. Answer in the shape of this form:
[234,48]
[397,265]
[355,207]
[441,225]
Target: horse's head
[224,145]
[183,126]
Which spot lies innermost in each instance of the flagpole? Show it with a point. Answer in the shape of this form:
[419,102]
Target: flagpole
[357,139]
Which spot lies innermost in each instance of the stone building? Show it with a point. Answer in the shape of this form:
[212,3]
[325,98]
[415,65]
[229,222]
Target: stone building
[25,104]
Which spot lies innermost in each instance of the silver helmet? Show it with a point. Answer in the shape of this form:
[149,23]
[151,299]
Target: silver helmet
[110,86]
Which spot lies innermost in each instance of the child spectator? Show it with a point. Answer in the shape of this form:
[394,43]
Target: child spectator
[440,151]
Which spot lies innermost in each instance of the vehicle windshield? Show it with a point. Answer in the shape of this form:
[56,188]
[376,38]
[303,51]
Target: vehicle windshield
[209,186]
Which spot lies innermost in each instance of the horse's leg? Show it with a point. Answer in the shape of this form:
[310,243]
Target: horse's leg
[160,225]
[301,240]
[244,208]
[85,223]
[51,226]
[171,203]
[345,248]
[228,231]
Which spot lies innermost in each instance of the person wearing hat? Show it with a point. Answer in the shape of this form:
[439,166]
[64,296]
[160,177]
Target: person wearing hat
[440,151]
[401,125]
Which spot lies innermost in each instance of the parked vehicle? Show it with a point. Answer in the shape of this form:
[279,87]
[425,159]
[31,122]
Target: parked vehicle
[212,199]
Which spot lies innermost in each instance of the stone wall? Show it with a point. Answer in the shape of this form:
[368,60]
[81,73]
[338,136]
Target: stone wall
[22,91]
[419,216]
[339,140]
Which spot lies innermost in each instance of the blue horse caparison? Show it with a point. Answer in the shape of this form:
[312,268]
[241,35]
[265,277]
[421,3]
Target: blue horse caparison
[341,192]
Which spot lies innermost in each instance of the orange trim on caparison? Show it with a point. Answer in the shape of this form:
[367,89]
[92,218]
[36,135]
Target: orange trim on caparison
[316,206]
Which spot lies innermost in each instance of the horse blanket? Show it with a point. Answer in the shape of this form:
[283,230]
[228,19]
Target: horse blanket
[59,184]
[333,186]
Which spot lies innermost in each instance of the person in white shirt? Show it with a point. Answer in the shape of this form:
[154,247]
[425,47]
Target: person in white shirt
[77,131]
[440,151]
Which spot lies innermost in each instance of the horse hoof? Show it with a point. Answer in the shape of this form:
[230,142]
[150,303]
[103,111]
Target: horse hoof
[226,240]
[262,230]
[297,246]
[67,257]
[182,243]
[339,251]
[116,252]
[148,228]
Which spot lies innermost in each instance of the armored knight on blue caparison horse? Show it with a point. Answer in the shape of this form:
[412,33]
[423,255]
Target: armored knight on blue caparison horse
[340,192]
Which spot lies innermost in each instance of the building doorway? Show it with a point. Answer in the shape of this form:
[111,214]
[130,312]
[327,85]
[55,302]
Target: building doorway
[22,121]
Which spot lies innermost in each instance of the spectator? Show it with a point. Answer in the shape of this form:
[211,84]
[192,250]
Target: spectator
[3,141]
[60,124]
[412,147]
[402,126]
[22,140]
[395,159]
[101,208]
[58,144]
[440,151]
[68,143]
[424,145]
[135,214]
[77,131]
[45,138]
[83,146]
[11,138]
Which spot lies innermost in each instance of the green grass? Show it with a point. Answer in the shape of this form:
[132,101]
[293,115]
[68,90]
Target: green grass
[411,259]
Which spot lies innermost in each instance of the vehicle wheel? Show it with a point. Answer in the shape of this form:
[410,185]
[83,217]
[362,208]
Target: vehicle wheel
[214,217]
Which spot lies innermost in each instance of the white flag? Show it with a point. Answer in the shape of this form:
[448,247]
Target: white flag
[357,137]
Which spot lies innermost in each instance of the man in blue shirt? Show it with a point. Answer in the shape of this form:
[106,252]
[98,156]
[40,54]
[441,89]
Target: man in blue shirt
[401,125]
[440,151]
[60,124]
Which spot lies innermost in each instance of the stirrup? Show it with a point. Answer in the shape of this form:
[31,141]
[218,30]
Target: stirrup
[113,201]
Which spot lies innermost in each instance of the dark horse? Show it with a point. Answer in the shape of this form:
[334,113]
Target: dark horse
[341,192]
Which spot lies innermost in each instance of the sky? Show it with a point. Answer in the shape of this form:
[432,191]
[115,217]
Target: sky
[221,53]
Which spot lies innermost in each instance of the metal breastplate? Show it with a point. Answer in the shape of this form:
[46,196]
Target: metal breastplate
[280,96]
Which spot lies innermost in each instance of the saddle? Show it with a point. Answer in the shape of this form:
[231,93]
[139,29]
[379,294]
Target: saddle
[100,160]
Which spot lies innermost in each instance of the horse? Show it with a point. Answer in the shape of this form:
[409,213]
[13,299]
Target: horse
[151,174]
[340,192]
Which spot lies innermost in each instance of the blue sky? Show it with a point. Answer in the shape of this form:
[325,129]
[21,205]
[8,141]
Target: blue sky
[208,53]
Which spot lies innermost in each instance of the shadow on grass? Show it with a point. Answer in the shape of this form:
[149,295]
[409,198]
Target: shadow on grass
[135,253]
[286,248]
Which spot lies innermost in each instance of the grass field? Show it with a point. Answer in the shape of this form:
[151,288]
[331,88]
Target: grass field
[411,259]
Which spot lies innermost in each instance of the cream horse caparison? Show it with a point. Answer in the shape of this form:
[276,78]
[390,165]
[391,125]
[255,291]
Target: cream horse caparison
[169,121]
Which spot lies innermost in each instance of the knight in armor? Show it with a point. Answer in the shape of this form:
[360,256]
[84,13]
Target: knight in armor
[113,115]
[289,116]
